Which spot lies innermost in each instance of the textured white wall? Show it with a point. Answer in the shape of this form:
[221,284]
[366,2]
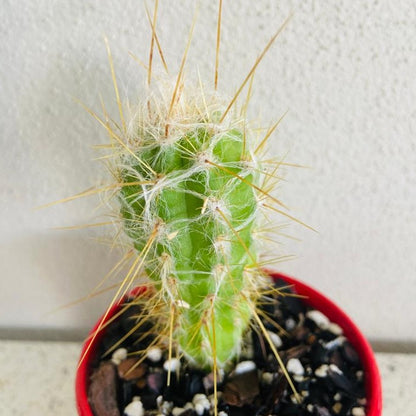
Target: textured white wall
[344,69]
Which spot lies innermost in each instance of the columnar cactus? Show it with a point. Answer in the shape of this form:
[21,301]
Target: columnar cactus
[189,198]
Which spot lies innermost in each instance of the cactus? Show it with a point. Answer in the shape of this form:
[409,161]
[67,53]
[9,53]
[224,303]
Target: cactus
[189,200]
[191,190]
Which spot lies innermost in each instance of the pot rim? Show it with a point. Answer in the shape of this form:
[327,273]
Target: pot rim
[314,298]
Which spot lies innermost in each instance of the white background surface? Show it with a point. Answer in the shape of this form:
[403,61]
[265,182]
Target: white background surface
[344,69]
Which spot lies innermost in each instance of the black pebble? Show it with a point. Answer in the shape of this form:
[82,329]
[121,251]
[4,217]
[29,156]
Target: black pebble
[289,409]
[188,412]
[310,324]
[260,350]
[148,400]
[129,390]
[239,411]
[318,355]
[320,392]
[350,354]
[293,305]
[335,357]
[175,392]
[327,335]
[193,384]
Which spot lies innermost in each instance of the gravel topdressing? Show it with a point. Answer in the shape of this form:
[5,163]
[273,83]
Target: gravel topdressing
[324,367]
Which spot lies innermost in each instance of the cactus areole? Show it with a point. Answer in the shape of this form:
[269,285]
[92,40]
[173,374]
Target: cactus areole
[190,190]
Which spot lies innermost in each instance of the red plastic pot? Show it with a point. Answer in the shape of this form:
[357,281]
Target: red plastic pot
[313,298]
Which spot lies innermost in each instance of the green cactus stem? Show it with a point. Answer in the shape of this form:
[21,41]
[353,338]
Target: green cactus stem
[190,211]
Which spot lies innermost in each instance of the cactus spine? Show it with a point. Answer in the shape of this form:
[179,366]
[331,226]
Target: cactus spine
[189,203]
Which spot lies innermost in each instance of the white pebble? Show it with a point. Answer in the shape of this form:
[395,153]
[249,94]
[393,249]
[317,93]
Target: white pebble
[201,399]
[294,366]
[267,378]
[319,318]
[276,340]
[222,413]
[337,397]
[244,367]
[199,409]
[154,354]
[296,399]
[309,408]
[172,365]
[358,411]
[119,355]
[135,408]
[337,342]
[335,369]
[166,407]
[322,371]
[176,411]
[290,324]
[335,328]
[201,403]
